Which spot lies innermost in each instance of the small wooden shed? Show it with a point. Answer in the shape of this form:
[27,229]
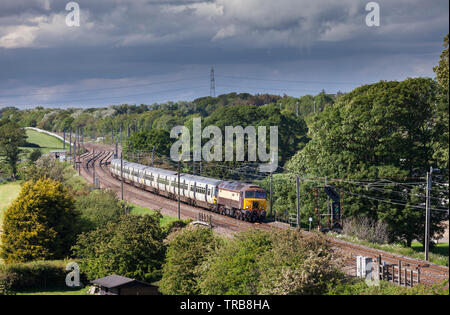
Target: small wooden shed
[59,155]
[118,285]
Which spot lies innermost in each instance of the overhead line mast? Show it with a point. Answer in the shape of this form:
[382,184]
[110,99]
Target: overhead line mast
[212,90]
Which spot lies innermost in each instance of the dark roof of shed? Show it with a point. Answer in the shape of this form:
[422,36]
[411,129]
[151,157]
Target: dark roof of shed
[114,281]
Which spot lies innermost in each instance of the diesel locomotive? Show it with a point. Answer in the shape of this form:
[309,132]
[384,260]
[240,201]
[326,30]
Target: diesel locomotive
[235,199]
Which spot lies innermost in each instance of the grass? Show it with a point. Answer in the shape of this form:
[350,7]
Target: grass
[165,221]
[44,142]
[55,291]
[438,255]
[8,192]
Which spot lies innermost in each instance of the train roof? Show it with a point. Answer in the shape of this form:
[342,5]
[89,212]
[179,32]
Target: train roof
[237,186]
[200,179]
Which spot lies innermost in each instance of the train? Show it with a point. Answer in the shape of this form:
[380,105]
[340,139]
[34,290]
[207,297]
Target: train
[235,199]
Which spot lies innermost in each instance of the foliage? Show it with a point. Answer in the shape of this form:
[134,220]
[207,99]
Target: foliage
[392,119]
[187,250]
[33,275]
[146,140]
[46,167]
[442,109]
[132,247]
[233,268]
[34,155]
[98,207]
[359,287]
[366,229]
[12,137]
[298,264]
[40,224]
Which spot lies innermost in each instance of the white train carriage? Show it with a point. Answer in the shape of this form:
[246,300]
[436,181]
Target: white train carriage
[197,190]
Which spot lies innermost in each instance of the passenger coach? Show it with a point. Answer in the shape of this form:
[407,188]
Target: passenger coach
[240,200]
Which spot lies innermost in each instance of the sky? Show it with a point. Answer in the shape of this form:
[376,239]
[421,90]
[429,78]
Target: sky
[154,51]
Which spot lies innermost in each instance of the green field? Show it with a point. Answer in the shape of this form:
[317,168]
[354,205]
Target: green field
[141,210]
[42,141]
[8,192]
[56,291]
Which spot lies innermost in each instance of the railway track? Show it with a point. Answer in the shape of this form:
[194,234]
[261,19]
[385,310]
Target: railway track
[147,199]
[429,273]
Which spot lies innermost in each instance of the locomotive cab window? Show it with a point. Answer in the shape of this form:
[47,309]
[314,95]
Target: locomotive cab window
[249,194]
[260,195]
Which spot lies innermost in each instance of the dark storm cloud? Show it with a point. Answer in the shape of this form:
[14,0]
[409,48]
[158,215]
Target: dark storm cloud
[135,41]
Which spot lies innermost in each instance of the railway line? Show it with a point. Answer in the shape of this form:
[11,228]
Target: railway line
[426,273]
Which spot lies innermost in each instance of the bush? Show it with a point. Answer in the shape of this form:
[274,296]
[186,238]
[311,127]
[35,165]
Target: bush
[359,287]
[367,229]
[33,275]
[132,247]
[34,155]
[98,208]
[187,250]
[233,268]
[40,224]
[298,264]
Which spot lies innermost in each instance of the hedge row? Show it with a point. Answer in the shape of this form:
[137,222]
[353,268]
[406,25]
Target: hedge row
[33,275]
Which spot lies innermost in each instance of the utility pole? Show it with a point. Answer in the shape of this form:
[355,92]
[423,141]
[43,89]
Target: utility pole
[298,203]
[74,155]
[153,155]
[427,215]
[212,90]
[179,202]
[79,156]
[314,106]
[271,203]
[93,167]
[297,108]
[120,140]
[64,142]
[121,177]
[70,142]
[117,151]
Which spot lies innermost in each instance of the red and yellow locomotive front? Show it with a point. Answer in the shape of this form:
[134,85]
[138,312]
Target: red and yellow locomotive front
[254,202]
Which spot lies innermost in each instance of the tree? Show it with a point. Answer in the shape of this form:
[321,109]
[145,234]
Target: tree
[187,250]
[377,131]
[132,247]
[98,207]
[12,138]
[298,264]
[40,224]
[233,268]
[34,155]
[442,109]
[146,140]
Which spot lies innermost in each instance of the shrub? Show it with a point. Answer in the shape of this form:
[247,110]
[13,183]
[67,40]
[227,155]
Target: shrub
[34,155]
[40,224]
[132,247]
[298,264]
[98,208]
[187,250]
[233,268]
[367,229]
[359,287]
[33,275]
